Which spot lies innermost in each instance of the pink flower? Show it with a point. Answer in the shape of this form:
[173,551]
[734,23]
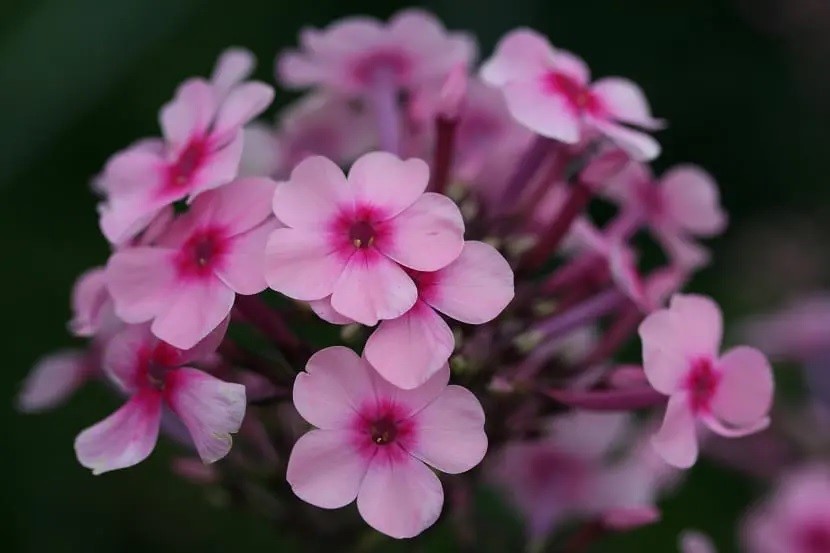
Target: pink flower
[154,374]
[201,149]
[352,55]
[473,289]
[682,205]
[796,519]
[549,91]
[54,378]
[186,283]
[731,394]
[372,442]
[353,239]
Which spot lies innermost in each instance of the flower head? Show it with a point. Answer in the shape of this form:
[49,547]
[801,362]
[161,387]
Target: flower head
[729,393]
[201,149]
[373,441]
[186,283]
[355,238]
[155,374]
[549,91]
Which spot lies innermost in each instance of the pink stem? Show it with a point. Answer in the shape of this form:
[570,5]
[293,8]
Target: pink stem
[608,400]
[383,100]
[528,165]
[444,152]
[580,315]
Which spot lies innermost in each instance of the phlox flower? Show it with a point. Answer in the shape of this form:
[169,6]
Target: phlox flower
[201,148]
[680,206]
[730,393]
[155,375]
[355,238]
[796,518]
[376,443]
[186,282]
[54,378]
[549,91]
[356,54]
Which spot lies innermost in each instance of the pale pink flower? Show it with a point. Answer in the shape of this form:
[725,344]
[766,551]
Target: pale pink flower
[317,124]
[549,91]
[154,374]
[353,54]
[201,149]
[473,289]
[692,541]
[374,441]
[186,283]
[353,239]
[796,518]
[680,206]
[730,393]
[54,378]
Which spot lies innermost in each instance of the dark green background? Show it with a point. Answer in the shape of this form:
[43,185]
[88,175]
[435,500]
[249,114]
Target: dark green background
[744,90]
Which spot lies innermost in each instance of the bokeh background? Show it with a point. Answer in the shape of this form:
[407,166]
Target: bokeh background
[744,84]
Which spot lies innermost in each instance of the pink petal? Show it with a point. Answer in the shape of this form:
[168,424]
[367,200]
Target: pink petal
[243,103]
[189,114]
[474,288]
[639,145]
[243,266]
[123,439]
[89,299]
[401,498]
[323,309]
[335,385]
[451,434]
[261,154]
[543,112]
[122,359]
[664,362]
[233,66]
[572,65]
[692,199]
[241,205]
[132,172]
[410,402]
[387,182]
[140,281]
[676,441]
[52,380]
[210,408]
[522,54]
[373,288]
[301,264]
[324,469]
[745,392]
[206,346]
[684,252]
[406,351]
[426,236]
[625,101]
[701,322]
[314,195]
[218,168]
[196,308]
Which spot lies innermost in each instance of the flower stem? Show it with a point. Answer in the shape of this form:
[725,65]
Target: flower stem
[383,101]
[581,314]
[528,165]
[444,151]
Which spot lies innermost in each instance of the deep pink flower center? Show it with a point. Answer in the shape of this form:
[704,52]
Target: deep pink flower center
[579,97]
[155,361]
[362,234]
[383,431]
[190,159]
[815,538]
[383,424]
[202,253]
[702,383]
[392,64]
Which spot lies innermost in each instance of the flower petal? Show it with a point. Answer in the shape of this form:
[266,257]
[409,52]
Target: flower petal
[335,384]
[233,66]
[387,182]
[123,439]
[639,145]
[140,281]
[323,309]
[522,54]
[240,205]
[210,408]
[406,351]
[676,441]
[243,267]
[701,322]
[426,236]
[745,392]
[53,379]
[196,309]
[189,114]
[401,498]
[372,288]
[543,112]
[692,199]
[451,434]
[243,103]
[664,362]
[626,102]
[325,470]
[474,288]
[302,265]
[314,195]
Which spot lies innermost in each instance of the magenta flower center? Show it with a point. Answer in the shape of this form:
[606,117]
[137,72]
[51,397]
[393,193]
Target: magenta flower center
[384,431]
[702,383]
[190,159]
[362,234]
[201,254]
[815,538]
[578,97]
[156,361]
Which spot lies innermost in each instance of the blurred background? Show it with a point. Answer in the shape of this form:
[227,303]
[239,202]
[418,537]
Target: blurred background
[743,83]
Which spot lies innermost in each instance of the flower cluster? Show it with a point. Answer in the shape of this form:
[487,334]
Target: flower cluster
[440,212]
